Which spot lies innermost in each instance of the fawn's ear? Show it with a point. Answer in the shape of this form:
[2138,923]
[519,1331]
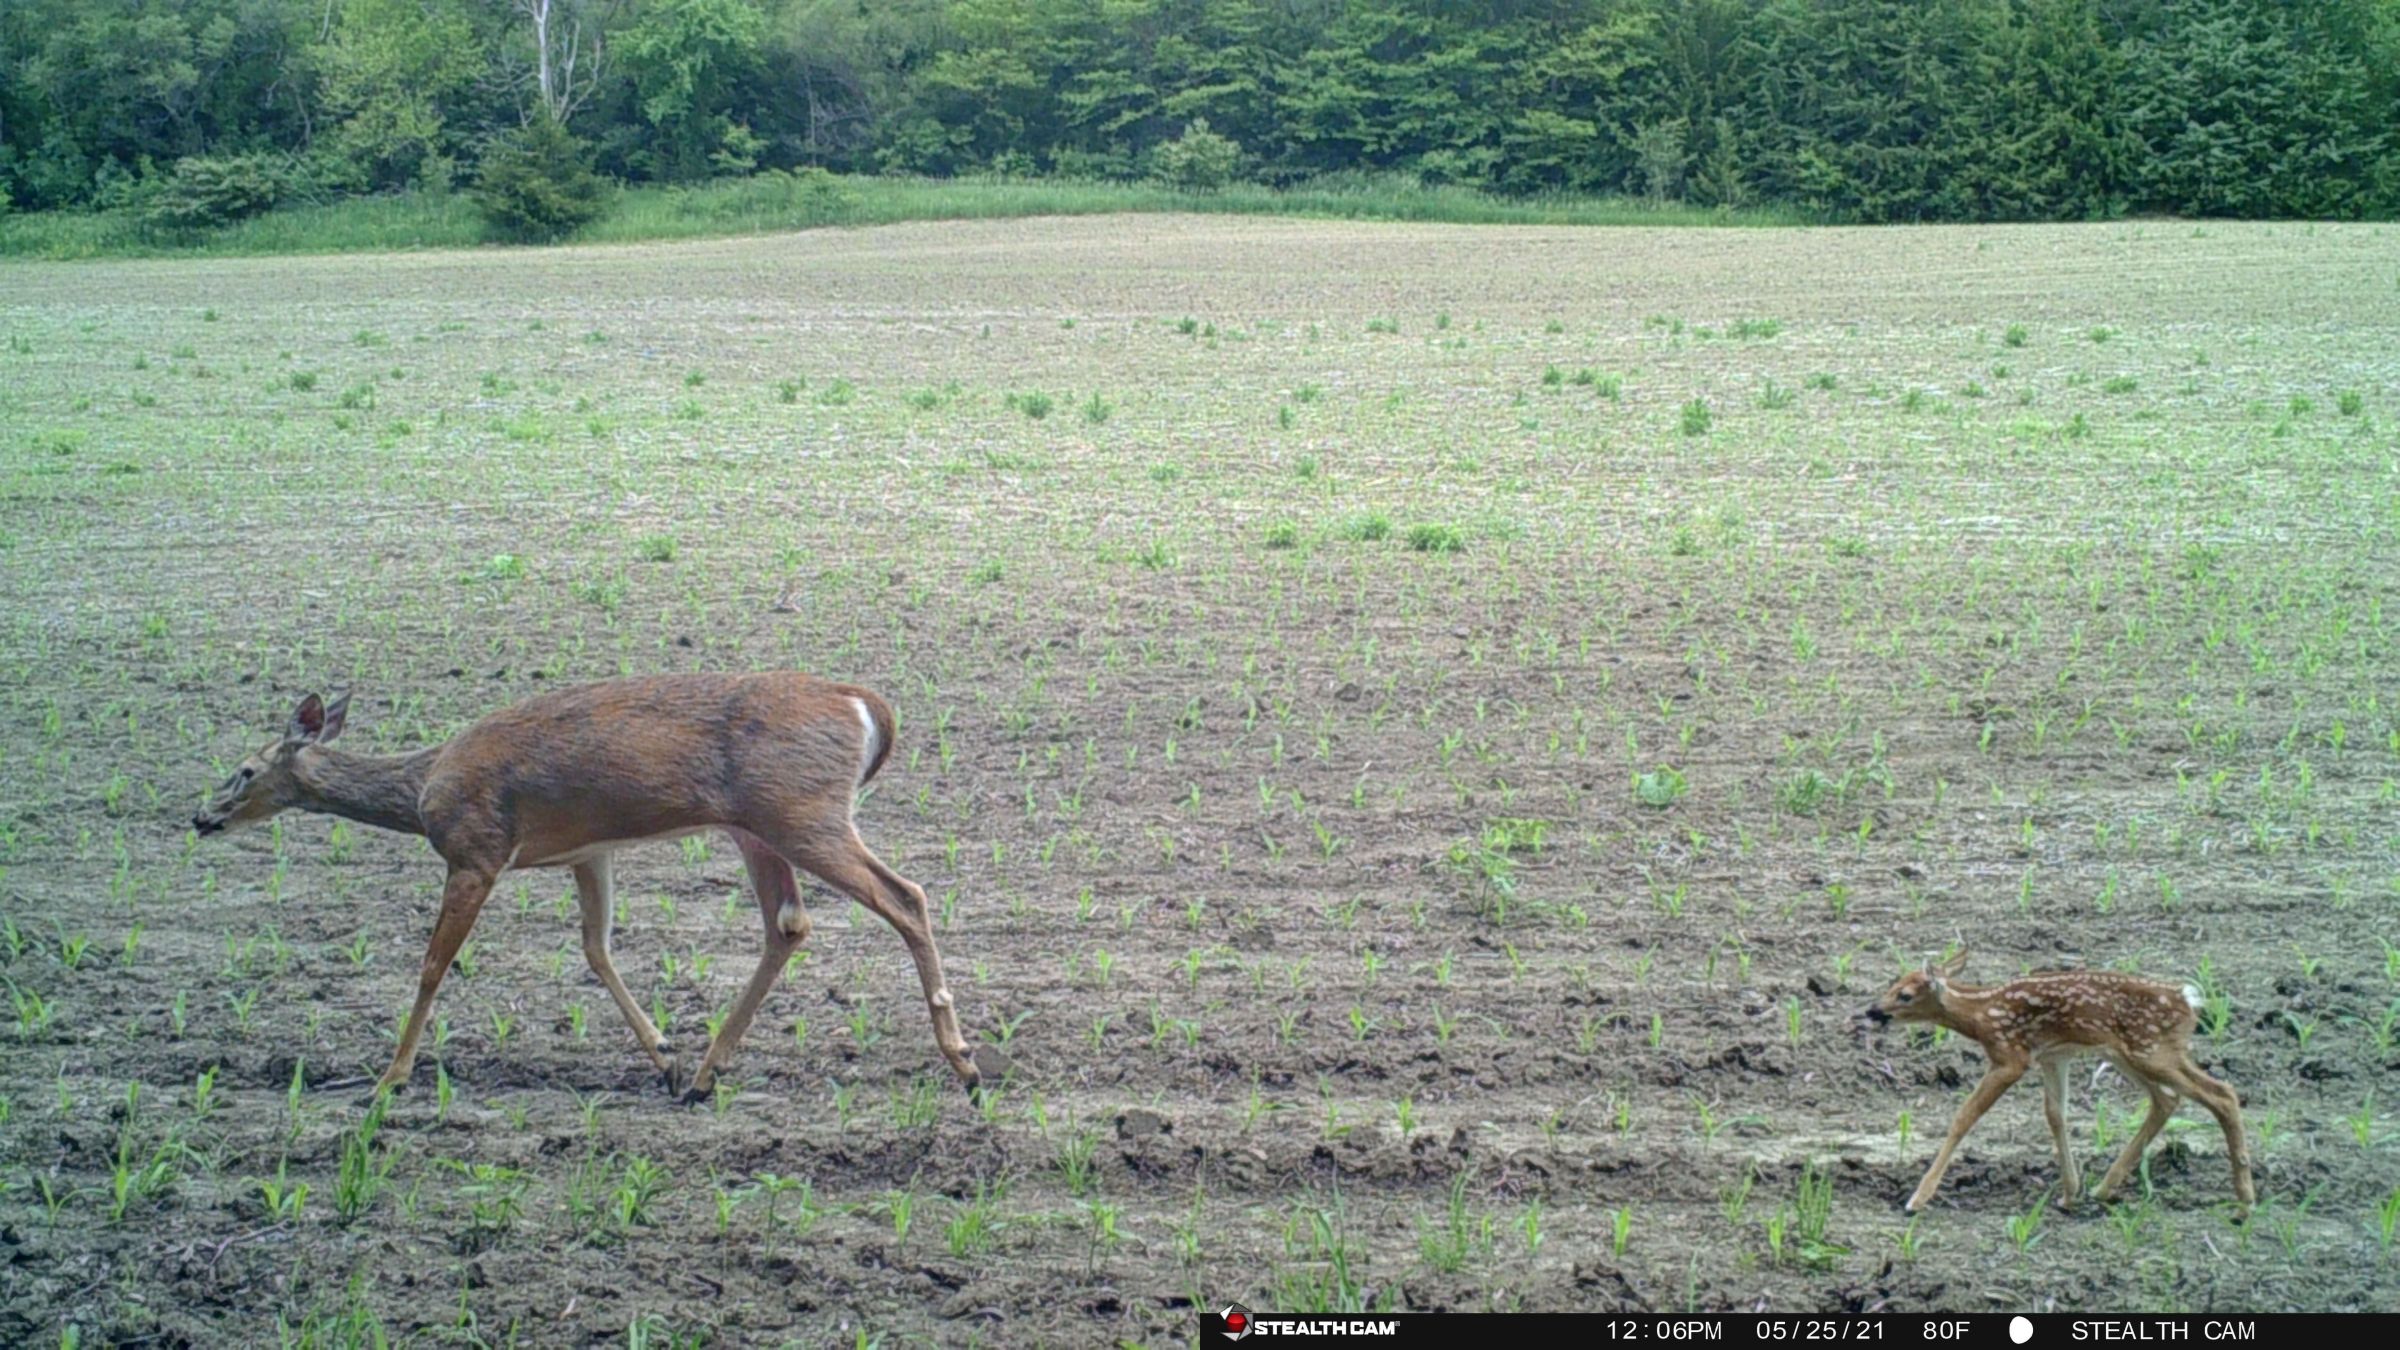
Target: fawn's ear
[335,716]
[1949,969]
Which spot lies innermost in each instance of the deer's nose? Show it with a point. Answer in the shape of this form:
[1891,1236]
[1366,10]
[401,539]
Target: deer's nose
[1872,1015]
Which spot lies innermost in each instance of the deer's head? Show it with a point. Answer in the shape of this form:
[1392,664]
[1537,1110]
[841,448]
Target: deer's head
[262,785]
[1916,996]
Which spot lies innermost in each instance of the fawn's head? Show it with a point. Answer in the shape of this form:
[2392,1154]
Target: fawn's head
[1916,996]
[262,784]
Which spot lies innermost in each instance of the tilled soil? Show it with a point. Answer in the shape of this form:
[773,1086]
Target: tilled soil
[1421,739]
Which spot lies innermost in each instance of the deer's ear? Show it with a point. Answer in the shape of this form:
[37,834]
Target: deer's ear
[308,720]
[1948,970]
[335,716]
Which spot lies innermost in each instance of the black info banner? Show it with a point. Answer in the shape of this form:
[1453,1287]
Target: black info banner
[1983,1331]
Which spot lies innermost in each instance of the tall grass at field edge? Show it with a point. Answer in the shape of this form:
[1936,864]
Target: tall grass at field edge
[774,202]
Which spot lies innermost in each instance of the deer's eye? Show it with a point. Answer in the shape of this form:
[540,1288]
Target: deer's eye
[248,773]
[1907,997]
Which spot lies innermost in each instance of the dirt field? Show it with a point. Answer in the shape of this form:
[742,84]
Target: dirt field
[1421,738]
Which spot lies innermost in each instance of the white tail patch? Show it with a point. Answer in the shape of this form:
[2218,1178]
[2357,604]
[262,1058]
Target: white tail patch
[871,744]
[2191,995]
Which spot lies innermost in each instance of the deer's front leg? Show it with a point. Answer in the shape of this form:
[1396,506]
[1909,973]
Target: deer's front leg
[595,890]
[1996,1080]
[462,899]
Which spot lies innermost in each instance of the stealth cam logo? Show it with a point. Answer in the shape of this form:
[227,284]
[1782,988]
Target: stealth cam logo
[1237,1321]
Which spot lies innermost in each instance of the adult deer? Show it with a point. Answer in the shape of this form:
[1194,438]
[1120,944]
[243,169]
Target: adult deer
[774,759]
[2044,1019]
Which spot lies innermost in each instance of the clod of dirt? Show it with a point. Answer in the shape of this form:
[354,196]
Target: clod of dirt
[1139,1123]
[1611,1282]
[972,1301]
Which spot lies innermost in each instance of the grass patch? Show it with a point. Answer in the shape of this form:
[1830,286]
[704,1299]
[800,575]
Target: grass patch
[769,203]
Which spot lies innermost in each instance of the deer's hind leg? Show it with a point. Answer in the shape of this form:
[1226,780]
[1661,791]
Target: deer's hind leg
[2162,1105]
[836,853]
[2054,1083]
[2223,1103]
[787,927]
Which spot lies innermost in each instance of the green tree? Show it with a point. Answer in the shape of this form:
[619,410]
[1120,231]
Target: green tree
[2250,110]
[687,60]
[1869,109]
[537,183]
[395,75]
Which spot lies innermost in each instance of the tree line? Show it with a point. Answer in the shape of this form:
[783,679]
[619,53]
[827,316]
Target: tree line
[1874,110]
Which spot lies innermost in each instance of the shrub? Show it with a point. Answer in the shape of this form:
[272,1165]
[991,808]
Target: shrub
[538,184]
[1660,152]
[208,190]
[1436,538]
[1200,160]
[795,197]
[1367,527]
[1661,787]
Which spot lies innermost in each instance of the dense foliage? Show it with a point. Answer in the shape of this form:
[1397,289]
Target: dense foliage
[1870,109]
[538,184]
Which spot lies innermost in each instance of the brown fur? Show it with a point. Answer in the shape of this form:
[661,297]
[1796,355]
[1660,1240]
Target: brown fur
[2142,1026]
[772,758]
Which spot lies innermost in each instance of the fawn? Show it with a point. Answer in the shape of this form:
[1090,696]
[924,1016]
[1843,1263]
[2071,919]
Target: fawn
[2141,1026]
[774,759]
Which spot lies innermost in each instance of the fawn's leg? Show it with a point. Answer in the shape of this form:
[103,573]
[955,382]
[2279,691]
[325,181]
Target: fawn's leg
[787,925]
[595,891]
[2223,1103]
[462,899]
[2054,1083]
[2162,1105]
[1996,1080]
